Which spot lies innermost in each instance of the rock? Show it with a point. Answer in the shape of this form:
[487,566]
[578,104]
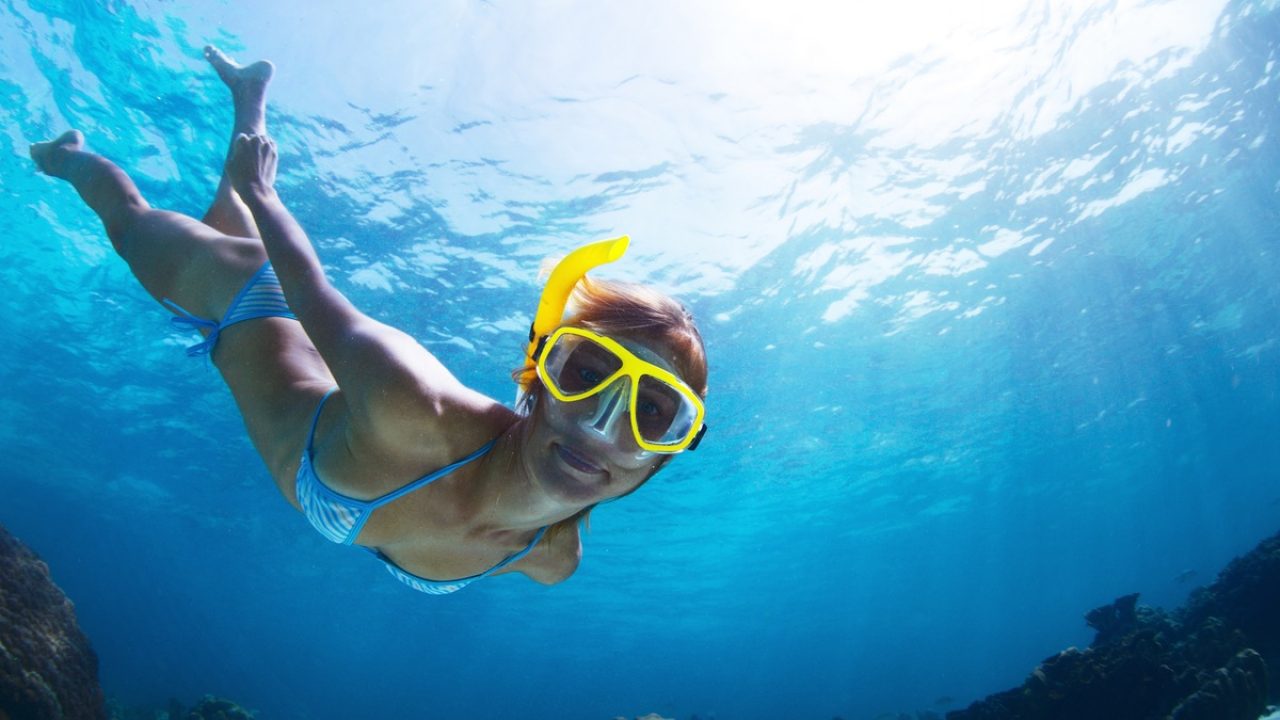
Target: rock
[1114,620]
[209,708]
[215,708]
[1206,661]
[1238,690]
[1245,597]
[47,669]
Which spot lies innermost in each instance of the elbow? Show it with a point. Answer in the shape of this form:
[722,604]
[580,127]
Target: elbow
[556,578]
[564,567]
[568,569]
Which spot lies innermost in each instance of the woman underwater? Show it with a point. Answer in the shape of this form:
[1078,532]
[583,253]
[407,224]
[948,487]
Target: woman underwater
[362,428]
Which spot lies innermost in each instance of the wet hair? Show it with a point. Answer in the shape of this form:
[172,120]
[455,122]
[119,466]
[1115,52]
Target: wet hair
[638,312]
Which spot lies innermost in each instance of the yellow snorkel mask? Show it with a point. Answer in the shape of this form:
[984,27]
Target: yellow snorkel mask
[665,415]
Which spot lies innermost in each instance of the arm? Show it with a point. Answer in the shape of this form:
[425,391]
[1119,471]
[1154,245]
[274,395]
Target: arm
[387,377]
[557,559]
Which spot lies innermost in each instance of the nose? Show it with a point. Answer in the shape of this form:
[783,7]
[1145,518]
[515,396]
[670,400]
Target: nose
[611,411]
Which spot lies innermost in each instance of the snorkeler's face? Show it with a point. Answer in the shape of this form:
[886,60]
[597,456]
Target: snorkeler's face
[591,443]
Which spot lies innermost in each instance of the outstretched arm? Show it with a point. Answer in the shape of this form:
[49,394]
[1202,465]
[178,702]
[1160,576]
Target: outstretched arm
[386,375]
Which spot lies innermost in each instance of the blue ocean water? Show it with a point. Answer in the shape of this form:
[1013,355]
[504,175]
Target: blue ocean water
[990,301]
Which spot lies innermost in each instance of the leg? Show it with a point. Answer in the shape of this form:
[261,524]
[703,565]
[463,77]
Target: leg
[270,364]
[172,255]
[248,85]
[105,188]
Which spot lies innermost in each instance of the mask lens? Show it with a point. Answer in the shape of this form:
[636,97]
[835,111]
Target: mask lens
[663,414]
[579,365]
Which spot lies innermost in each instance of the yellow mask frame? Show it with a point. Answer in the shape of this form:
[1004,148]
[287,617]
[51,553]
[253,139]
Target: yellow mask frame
[635,369]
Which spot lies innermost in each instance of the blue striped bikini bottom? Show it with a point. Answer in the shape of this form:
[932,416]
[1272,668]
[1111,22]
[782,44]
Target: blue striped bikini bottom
[259,298]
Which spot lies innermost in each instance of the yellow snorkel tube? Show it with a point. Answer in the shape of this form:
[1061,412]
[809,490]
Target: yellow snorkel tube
[567,273]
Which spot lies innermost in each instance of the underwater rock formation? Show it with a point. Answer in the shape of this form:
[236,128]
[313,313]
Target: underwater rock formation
[1205,661]
[209,708]
[1246,596]
[47,669]
[213,708]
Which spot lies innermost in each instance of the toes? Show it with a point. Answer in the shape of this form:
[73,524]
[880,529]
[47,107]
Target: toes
[253,76]
[44,153]
[219,60]
[73,139]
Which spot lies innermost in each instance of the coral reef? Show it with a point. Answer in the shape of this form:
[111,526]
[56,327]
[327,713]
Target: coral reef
[47,669]
[209,708]
[1246,596]
[212,708]
[1205,661]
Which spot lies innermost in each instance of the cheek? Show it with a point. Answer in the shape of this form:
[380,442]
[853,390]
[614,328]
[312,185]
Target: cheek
[551,413]
[544,420]
[631,478]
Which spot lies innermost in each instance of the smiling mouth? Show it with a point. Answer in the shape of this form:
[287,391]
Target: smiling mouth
[577,461]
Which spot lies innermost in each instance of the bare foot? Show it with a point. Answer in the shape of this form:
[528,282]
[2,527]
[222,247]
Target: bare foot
[239,77]
[49,155]
[248,85]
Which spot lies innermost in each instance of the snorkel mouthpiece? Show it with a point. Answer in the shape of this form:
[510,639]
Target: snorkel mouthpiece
[567,273]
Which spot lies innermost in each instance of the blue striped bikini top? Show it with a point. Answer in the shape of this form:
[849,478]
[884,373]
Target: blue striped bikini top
[340,518]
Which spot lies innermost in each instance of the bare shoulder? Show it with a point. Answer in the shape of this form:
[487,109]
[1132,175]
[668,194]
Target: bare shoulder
[418,402]
[556,557]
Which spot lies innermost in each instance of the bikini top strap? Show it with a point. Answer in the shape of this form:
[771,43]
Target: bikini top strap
[510,559]
[315,419]
[431,477]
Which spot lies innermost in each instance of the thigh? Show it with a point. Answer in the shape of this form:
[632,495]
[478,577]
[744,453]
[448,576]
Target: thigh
[179,258]
[277,379]
[270,365]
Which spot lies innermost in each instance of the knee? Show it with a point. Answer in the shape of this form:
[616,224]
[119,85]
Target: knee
[122,221]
